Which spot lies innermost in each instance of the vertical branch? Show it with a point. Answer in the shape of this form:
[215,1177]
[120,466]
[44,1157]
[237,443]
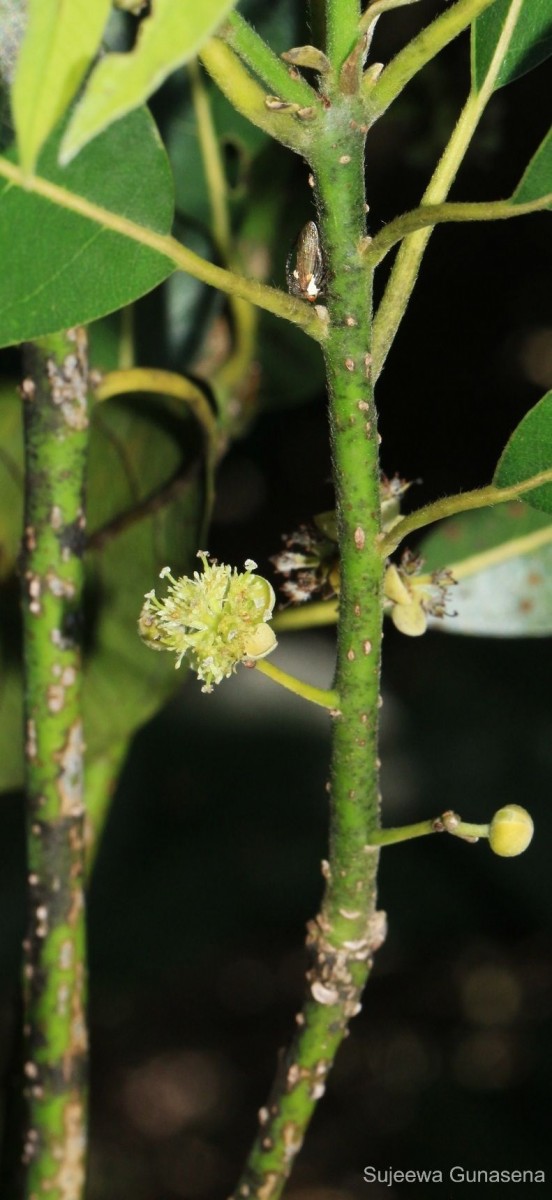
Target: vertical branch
[347,931]
[56,432]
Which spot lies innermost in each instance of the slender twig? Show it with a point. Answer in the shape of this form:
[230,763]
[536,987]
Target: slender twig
[306,616]
[270,299]
[324,697]
[231,375]
[212,162]
[419,51]
[254,51]
[56,424]
[378,7]
[167,383]
[287,121]
[405,833]
[449,506]
[435,214]
[405,269]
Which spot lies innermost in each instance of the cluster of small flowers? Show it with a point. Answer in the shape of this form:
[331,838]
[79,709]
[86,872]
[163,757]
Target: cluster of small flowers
[215,620]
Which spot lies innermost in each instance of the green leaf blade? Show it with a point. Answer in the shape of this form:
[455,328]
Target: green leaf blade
[529,45]
[61,39]
[537,178]
[508,597]
[170,37]
[528,451]
[64,269]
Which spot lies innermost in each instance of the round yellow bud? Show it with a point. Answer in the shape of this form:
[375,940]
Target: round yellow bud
[259,642]
[510,831]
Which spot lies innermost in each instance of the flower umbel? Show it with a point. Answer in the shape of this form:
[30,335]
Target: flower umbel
[216,619]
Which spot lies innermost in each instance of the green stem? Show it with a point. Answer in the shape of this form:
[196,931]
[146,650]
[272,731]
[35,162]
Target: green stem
[212,163]
[271,299]
[254,51]
[405,270]
[344,936]
[449,506]
[435,214]
[444,824]
[288,123]
[325,697]
[418,52]
[56,435]
[307,616]
[153,380]
[342,34]
[378,7]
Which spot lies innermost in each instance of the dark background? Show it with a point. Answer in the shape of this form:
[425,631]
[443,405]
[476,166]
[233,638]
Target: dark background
[210,865]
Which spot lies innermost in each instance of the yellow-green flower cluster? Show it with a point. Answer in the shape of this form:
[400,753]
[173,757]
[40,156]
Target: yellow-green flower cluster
[216,619]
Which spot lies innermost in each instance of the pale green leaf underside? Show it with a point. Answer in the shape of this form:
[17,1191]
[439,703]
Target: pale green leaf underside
[171,36]
[530,44]
[511,598]
[61,39]
[528,451]
[64,269]
[537,179]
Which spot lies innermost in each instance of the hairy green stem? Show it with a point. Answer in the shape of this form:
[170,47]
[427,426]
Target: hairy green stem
[420,51]
[377,7]
[56,434]
[265,64]
[285,123]
[347,931]
[403,277]
[449,506]
[180,256]
[436,214]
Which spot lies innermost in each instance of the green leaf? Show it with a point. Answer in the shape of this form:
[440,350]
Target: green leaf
[508,597]
[61,39]
[171,36]
[529,451]
[537,179]
[136,448]
[63,269]
[529,45]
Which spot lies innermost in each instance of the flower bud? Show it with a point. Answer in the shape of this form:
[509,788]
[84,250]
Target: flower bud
[510,831]
[409,618]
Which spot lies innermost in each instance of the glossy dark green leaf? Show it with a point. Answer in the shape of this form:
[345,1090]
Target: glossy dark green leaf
[529,451]
[537,179]
[137,450]
[63,269]
[507,592]
[530,43]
